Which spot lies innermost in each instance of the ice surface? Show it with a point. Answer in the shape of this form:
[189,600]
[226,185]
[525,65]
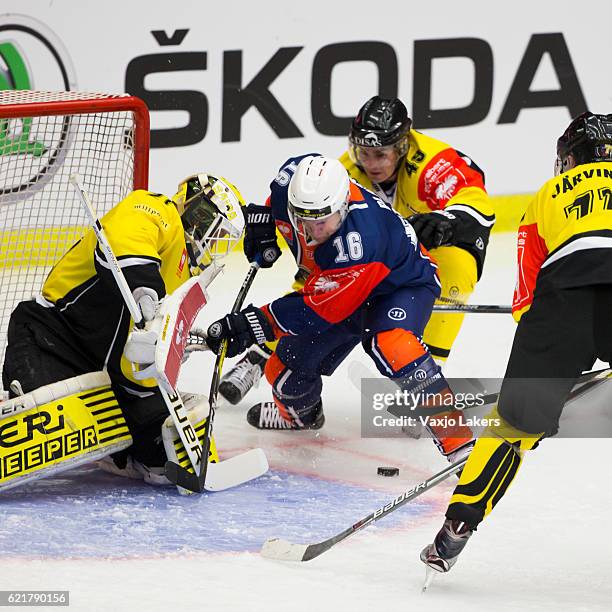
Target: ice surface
[121,545]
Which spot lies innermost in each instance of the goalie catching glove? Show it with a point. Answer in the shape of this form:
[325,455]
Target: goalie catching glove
[260,236]
[241,330]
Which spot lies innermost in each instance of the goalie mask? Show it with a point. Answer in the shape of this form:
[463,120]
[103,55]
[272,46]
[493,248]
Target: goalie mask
[211,216]
[318,198]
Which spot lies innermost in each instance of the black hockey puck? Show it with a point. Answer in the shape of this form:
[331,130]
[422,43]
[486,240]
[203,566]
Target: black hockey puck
[387,471]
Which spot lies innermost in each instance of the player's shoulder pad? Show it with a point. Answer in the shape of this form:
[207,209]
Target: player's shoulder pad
[427,144]
[155,205]
[367,216]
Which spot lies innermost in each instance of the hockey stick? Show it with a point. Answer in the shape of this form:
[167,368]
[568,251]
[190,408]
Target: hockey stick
[283,550]
[172,400]
[223,475]
[175,473]
[473,308]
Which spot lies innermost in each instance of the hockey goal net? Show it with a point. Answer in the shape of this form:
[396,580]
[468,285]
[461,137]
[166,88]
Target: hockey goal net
[44,138]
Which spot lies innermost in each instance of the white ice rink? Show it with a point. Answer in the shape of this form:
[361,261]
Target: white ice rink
[120,545]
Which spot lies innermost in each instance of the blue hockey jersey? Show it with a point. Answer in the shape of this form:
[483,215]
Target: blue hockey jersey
[374,252]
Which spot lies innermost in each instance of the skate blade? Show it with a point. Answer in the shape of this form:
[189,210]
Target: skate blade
[430,573]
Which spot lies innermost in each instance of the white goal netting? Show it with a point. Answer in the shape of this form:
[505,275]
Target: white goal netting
[44,138]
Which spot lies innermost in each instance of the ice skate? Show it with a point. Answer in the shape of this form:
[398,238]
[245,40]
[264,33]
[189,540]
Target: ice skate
[267,415]
[448,544]
[243,376]
[460,453]
[134,470]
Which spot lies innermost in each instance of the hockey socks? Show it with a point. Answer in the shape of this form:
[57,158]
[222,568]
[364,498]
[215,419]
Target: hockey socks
[489,471]
[430,398]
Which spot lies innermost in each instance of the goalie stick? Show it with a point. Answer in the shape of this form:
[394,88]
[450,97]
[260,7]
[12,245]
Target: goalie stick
[195,481]
[223,475]
[283,550]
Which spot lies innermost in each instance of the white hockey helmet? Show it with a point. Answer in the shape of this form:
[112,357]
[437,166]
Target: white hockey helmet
[211,216]
[318,189]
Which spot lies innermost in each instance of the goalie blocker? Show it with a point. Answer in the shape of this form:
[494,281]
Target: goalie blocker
[72,422]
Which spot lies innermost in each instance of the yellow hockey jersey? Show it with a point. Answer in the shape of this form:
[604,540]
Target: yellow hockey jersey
[434,176]
[565,235]
[81,295]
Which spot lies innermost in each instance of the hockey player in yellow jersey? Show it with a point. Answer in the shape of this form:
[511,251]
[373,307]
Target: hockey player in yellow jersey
[79,323]
[563,305]
[438,188]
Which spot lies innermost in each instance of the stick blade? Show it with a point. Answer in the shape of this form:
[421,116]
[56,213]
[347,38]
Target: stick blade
[282,550]
[236,470]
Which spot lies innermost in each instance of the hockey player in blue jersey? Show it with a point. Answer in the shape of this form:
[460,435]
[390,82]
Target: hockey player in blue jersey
[368,280]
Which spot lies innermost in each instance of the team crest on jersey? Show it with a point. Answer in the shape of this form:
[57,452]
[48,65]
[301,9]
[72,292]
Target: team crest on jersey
[322,288]
[324,284]
[440,182]
[446,189]
[286,230]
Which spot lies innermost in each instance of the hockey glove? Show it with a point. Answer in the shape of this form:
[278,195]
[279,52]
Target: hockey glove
[241,330]
[148,302]
[434,229]
[260,236]
[140,350]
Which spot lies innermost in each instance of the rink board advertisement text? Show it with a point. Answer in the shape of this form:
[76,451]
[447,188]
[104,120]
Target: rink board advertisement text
[227,98]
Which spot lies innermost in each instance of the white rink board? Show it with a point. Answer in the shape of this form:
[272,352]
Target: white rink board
[101,40]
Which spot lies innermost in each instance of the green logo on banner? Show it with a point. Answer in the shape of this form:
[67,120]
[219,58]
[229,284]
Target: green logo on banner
[15,76]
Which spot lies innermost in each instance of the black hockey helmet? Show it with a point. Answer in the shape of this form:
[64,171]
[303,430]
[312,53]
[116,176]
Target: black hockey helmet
[588,138]
[381,122]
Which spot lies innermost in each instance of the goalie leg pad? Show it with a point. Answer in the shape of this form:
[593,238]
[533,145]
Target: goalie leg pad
[58,427]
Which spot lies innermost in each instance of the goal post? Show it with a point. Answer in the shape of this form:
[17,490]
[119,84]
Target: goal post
[44,138]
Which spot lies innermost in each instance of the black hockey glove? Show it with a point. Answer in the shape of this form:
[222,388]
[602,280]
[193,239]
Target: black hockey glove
[260,236]
[241,330]
[434,229]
